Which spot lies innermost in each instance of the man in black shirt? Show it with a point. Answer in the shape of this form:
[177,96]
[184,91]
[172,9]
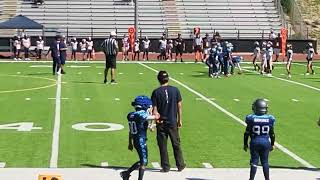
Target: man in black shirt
[180,46]
[167,102]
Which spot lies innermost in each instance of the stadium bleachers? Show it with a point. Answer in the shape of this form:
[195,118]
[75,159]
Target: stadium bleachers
[232,18]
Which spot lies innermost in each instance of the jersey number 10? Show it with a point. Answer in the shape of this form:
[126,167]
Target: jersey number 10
[261,130]
[133,127]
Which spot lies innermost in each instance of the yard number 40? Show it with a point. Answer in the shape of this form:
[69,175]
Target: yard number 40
[92,127]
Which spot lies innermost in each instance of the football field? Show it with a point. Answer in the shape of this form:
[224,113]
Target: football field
[75,120]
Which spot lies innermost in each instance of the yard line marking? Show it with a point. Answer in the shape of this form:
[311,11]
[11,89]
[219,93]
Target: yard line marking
[236,100]
[117,99]
[181,73]
[282,74]
[40,66]
[104,164]
[28,99]
[74,66]
[155,165]
[207,165]
[56,129]
[289,81]
[18,72]
[99,73]
[295,100]
[141,73]
[55,98]
[2,164]
[121,73]
[200,99]
[279,146]
[87,99]
[79,72]
[305,65]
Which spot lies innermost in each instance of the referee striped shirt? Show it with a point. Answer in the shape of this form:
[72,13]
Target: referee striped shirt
[110,46]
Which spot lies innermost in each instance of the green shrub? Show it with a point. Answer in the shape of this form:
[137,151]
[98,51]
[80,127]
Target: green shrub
[287,6]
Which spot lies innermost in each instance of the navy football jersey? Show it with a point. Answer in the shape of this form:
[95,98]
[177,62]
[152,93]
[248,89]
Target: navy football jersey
[259,126]
[138,123]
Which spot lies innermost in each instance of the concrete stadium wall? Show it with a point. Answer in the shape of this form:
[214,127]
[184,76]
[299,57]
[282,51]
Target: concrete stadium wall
[240,45]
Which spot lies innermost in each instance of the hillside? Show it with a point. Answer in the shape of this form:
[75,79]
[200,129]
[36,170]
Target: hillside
[310,11]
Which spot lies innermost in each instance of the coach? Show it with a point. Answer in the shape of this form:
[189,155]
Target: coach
[111,49]
[167,102]
[55,54]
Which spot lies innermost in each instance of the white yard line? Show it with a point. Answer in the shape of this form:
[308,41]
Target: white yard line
[279,146]
[104,164]
[56,129]
[207,165]
[295,100]
[287,80]
[155,165]
[2,164]
[305,65]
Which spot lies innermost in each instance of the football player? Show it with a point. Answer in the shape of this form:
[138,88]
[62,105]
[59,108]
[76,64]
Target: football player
[169,50]
[213,63]
[138,126]
[197,47]
[310,53]
[256,55]
[227,57]
[260,128]
[269,58]
[264,57]
[146,45]
[236,62]
[219,56]
[206,46]
[289,59]
[125,47]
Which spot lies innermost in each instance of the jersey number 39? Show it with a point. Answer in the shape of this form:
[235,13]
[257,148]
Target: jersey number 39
[261,130]
[133,127]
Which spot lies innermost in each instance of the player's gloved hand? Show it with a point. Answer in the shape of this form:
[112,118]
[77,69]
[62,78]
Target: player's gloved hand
[245,148]
[272,148]
[130,147]
[179,124]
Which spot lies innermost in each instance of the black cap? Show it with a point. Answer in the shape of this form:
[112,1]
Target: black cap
[163,77]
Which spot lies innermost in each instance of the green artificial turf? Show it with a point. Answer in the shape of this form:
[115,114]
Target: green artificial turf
[208,135]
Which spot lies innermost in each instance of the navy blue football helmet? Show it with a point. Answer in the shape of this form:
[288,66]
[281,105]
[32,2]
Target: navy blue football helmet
[142,102]
[260,107]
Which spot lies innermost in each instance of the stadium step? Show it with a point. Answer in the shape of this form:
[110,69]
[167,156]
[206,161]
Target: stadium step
[9,10]
[172,18]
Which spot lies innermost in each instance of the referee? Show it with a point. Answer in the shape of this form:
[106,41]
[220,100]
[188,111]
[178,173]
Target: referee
[167,102]
[111,49]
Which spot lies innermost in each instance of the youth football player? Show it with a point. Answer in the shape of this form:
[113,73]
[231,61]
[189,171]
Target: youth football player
[138,126]
[310,53]
[256,55]
[289,59]
[236,63]
[125,48]
[260,128]
[136,50]
[264,57]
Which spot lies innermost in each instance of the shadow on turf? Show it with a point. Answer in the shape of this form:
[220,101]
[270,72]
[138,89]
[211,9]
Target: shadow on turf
[121,168]
[296,168]
[37,74]
[86,82]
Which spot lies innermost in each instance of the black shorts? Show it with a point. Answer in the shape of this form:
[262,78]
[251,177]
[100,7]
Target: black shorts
[179,50]
[309,59]
[197,49]
[162,52]
[111,61]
